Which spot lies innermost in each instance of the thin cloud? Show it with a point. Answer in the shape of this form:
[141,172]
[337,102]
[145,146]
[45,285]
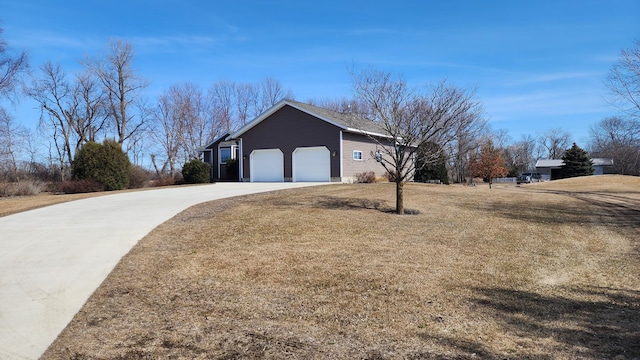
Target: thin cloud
[545,103]
[550,77]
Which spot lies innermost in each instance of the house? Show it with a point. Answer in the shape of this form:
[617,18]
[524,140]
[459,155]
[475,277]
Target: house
[549,168]
[294,141]
[602,166]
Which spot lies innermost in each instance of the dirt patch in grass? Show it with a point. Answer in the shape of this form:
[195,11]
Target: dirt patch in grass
[326,272]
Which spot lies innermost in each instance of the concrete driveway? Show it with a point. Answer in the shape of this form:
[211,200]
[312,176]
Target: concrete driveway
[52,259]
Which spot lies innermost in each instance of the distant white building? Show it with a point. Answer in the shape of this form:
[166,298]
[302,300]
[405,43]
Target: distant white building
[549,168]
[602,166]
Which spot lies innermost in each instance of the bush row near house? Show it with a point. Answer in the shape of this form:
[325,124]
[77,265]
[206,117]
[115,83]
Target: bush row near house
[79,186]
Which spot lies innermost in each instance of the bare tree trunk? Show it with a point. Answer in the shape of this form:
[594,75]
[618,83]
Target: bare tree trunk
[399,197]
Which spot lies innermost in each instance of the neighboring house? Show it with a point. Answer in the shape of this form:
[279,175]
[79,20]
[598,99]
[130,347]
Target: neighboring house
[602,166]
[549,168]
[294,141]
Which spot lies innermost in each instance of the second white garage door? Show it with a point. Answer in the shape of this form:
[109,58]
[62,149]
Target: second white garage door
[266,166]
[311,164]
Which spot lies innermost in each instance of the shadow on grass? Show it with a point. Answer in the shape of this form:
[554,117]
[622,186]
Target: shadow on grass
[331,202]
[619,211]
[589,323]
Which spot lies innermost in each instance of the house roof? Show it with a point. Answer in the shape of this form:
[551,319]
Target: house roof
[555,163]
[214,141]
[602,162]
[346,121]
[550,163]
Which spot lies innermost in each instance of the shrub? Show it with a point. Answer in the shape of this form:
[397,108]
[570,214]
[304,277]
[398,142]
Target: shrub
[368,177]
[20,188]
[163,181]
[105,163]
[196,172]
[139,177]
[80,186]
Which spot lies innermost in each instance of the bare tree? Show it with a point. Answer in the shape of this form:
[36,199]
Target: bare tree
[409,118]
[623,82]
[246,95]
[181,125]
[122,87]
[271,92]
[232,105]
[198,131]
[92,112]
[12,66]
[618,138]
[58,108]
[521,155]
[341,105]
[553,143]
[168,133]
[463,146]
[221,100]
[13,137]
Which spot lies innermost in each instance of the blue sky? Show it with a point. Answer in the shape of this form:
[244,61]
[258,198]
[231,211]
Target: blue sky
[537,65]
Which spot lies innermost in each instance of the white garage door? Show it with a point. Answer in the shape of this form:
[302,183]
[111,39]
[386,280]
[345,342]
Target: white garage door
[266,166]
[311,164]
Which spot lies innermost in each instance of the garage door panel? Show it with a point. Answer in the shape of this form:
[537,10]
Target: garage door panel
[266,165]
[311,164]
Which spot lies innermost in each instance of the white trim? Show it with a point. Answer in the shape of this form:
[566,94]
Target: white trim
[361,155]
[370,133]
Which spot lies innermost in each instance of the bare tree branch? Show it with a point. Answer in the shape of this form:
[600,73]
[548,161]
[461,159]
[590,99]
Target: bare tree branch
[409,119]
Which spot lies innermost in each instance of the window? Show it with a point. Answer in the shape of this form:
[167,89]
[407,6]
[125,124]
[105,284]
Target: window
[225,154]
[228,152]
[357,155]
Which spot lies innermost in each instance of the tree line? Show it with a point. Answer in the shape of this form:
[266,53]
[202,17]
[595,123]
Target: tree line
[439,124]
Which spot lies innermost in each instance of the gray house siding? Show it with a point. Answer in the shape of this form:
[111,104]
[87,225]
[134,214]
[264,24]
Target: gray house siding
[287,129]
[355,142]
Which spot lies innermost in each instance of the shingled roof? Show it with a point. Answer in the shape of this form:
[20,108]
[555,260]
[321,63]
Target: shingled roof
[346,121]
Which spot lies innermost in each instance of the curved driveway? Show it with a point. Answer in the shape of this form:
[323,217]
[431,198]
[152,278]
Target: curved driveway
[53,258]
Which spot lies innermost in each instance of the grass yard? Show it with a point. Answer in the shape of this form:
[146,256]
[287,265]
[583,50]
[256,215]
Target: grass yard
[541,271]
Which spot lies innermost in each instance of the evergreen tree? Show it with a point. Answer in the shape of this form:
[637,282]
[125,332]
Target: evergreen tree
[576,163]
[431,169]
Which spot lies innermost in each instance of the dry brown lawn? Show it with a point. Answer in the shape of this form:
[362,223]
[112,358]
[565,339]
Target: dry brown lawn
[541,271]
